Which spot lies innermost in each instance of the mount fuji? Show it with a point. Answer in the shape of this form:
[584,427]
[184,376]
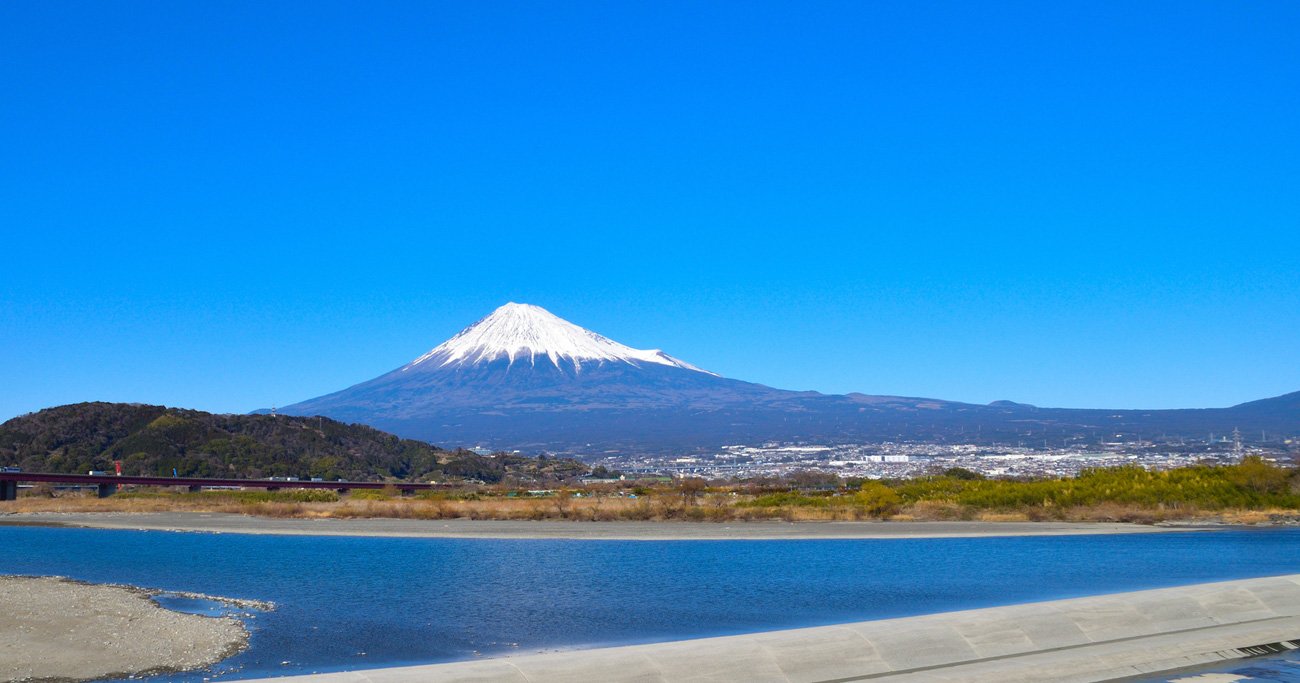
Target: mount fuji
[523,378]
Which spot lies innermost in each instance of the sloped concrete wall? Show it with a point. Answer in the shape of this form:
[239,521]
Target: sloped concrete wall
[1085,639]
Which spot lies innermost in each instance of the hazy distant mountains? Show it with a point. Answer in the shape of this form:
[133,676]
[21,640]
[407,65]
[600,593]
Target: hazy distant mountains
[523,378]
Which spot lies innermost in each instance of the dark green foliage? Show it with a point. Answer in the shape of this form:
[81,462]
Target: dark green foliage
[962,473]
[602,472]
[155,440]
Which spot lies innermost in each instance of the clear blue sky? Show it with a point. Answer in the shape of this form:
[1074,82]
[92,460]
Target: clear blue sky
[231,205]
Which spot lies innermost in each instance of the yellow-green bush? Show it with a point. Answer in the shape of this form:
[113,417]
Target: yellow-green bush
[372,494]
[878,499]
[1252,484]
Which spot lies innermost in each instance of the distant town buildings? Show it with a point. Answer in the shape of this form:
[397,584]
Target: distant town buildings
[902,460]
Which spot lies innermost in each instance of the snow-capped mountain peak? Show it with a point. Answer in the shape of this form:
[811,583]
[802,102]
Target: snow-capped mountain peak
[527,333]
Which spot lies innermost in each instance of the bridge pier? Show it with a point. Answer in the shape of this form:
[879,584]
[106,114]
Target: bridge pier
[8,490]
[106,490]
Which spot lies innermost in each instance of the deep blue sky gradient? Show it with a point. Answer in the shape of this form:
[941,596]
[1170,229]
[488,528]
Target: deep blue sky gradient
[232,205]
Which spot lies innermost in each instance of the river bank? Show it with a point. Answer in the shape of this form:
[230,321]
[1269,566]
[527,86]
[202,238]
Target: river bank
[67,630]
[553,529]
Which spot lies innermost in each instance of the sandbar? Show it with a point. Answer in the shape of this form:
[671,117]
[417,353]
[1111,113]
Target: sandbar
[71,631]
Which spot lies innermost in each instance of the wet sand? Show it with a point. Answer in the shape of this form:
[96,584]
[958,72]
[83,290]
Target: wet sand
[65,630]
[612,531]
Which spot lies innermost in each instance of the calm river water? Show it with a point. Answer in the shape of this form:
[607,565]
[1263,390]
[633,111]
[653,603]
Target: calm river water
[365,602]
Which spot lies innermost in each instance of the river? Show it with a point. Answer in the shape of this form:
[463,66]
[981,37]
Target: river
[358,602]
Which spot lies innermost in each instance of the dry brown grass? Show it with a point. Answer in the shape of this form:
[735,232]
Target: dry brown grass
[87,503]
[938,511]
[711,508]
[1257,516]
[1002,517]
[578,509]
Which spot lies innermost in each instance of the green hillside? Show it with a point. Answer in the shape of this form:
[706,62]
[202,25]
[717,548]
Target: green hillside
[154,440]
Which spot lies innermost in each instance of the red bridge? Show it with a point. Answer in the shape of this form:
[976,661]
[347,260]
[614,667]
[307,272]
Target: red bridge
[107,484]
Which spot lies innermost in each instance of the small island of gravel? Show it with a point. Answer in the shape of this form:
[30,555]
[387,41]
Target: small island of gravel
[66,630]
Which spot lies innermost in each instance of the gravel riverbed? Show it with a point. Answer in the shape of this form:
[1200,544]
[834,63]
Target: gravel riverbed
[66,630]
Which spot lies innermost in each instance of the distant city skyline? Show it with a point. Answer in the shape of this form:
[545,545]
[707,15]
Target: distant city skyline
[228,207]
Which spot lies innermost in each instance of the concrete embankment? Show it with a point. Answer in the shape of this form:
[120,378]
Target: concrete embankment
[1084,639]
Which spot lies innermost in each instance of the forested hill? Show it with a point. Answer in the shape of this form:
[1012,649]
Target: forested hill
[154,440]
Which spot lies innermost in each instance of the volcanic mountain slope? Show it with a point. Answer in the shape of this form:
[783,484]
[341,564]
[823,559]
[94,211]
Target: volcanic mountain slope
[523,357]
[522,378]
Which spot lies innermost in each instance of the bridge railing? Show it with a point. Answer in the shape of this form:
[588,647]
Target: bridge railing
[107,484]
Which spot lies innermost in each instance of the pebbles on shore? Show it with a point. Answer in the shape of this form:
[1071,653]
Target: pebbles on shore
[56,628]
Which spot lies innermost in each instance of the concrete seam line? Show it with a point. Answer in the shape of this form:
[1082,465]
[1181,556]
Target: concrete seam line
[654,664]
[1063,648]
[516,668]
[776,662]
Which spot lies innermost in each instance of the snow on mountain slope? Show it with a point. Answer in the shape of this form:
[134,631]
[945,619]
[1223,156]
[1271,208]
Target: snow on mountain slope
[525,333]
[522,378]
